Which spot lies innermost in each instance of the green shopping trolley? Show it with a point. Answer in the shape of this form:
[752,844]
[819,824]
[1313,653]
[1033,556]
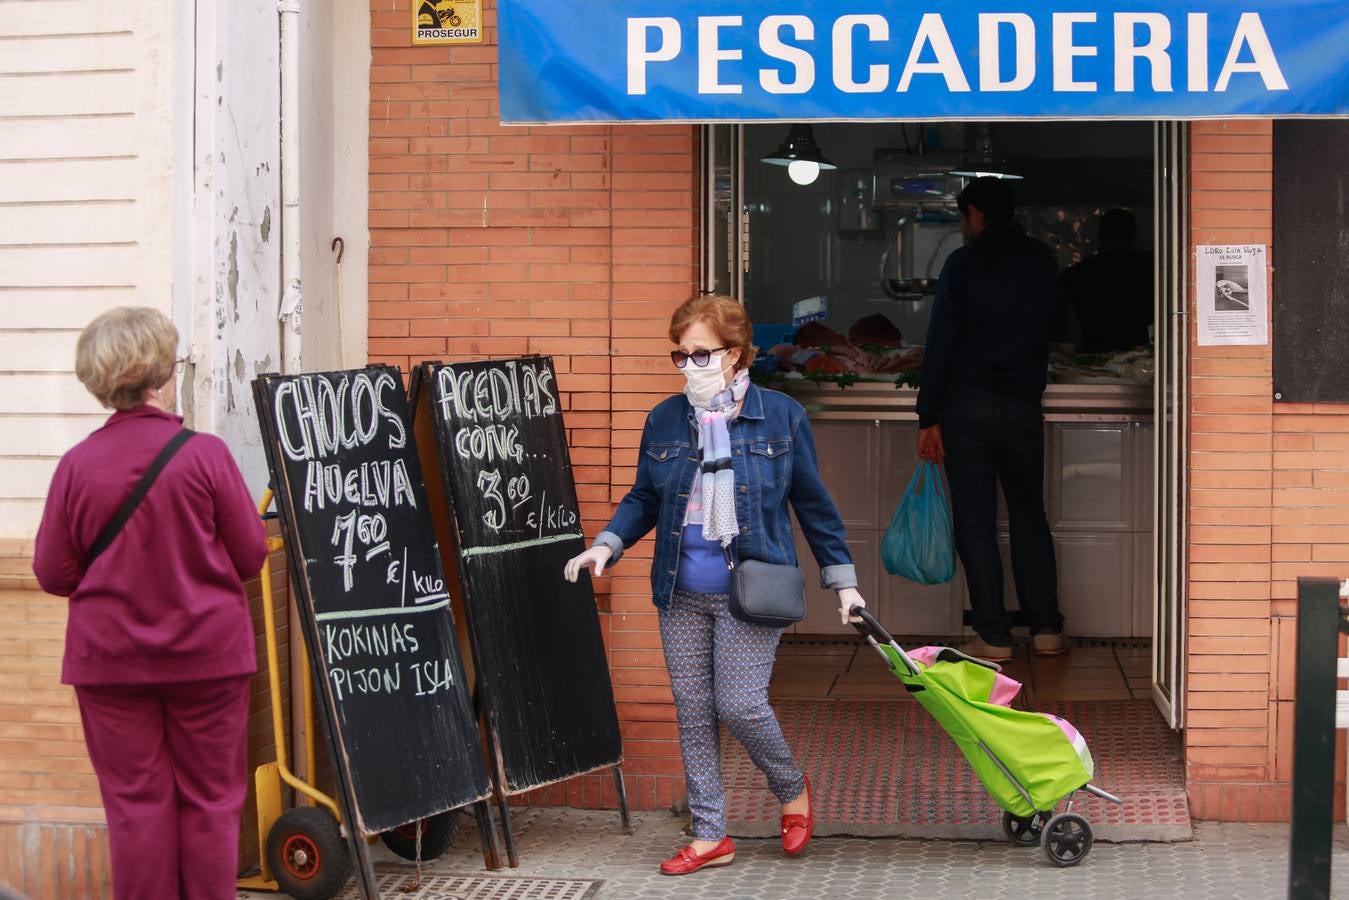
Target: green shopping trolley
[1029,762]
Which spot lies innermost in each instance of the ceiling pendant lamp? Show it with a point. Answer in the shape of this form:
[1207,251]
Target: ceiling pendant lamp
[801,155]
[982,160]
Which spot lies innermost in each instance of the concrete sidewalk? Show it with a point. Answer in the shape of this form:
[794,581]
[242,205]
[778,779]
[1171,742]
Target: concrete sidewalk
[567,854]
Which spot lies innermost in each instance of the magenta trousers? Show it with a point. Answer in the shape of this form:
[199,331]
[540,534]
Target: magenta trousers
[171,764]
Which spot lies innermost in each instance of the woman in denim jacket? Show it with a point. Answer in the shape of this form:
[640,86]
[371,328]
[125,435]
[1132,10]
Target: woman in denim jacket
[719,666]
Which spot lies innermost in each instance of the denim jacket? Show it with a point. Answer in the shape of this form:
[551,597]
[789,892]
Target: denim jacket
[773,456]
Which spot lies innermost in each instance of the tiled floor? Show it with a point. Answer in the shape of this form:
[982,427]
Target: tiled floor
[825,668]
[881,765]
[561,847]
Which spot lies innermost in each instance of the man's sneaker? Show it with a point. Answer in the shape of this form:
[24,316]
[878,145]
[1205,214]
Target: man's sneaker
[1050,643]
[979,649]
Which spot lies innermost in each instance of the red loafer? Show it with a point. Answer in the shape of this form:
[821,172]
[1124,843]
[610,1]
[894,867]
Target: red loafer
[797,829]
[686,861]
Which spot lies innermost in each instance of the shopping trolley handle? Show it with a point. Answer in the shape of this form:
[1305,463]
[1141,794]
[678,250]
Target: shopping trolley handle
[869,626]
[875,632]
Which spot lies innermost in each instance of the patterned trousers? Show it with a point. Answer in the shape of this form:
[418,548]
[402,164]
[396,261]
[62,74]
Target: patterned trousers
[719,670]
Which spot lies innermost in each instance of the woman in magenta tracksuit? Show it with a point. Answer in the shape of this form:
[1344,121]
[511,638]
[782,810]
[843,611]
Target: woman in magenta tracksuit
[159,644]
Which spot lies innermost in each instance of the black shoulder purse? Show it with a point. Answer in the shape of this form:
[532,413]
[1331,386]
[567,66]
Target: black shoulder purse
[133,500]
[763,593]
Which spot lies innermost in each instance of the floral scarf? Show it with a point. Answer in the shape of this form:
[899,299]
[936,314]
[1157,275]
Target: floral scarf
[717,484]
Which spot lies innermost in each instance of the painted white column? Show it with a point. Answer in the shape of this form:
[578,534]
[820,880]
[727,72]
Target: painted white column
[292,308]
[335,181]
[235,215]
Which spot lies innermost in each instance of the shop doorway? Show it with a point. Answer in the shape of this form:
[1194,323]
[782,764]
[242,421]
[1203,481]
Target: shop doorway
[860,246]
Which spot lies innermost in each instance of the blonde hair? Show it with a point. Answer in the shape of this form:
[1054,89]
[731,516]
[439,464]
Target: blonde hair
[726,317]
[123,352]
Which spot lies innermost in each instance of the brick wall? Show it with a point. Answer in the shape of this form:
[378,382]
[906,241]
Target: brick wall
[1269,499]
[575,242]
[52,836]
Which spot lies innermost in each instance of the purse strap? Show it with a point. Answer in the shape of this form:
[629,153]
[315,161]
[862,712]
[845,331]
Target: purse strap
[133,500]
[730,561]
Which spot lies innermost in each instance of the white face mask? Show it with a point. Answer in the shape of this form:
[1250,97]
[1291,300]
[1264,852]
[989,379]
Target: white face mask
[706,382]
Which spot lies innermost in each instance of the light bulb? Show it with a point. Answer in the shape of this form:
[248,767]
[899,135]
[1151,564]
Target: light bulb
[803,171]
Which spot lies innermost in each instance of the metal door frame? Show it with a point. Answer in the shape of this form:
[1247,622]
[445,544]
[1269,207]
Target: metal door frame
[1170,532]
[723,275]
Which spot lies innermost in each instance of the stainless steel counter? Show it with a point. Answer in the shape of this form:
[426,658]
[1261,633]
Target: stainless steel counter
[883,401]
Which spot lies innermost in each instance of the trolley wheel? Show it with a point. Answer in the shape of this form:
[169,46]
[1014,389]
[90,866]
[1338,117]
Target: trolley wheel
[437,836]
[1066,839]
[1022,832]
[307,855]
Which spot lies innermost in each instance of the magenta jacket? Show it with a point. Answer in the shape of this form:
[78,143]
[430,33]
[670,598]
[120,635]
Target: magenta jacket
[165,602]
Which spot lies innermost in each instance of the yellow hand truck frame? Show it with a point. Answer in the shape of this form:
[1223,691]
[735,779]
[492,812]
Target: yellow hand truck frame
[306,857]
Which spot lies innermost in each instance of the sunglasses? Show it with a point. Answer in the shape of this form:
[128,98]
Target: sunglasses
[700,358]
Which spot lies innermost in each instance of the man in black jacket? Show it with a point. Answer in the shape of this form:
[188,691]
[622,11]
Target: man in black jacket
[1110,294]
[979,411]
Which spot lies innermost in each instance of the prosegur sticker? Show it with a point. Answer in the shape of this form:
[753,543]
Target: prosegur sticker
[447,22]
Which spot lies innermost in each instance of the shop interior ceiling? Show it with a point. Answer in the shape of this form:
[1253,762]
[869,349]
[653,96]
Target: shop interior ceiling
[1059,162]
[853,237]
[1077,164]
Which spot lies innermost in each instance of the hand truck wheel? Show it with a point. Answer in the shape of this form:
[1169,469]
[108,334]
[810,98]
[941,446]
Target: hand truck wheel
[437,835]
[307,854]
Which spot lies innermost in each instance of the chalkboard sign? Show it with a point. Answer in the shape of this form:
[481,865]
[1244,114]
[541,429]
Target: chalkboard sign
[536,638]
[371,593]
[1311,261]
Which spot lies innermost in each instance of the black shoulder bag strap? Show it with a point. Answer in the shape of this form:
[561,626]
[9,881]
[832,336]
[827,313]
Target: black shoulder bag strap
[114,527]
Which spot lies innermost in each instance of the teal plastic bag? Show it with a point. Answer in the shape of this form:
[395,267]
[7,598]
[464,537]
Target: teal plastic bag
[919,544]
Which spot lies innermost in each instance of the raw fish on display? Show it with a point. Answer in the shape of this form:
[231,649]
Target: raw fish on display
[815,334]
[875,331]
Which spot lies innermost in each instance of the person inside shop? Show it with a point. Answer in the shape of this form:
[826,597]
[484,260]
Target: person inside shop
[159,641]
[979,397]
[719,666]
[1110,295]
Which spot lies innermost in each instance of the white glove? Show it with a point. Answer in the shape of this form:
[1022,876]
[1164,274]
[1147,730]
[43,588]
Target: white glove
[847,599]
[596,558]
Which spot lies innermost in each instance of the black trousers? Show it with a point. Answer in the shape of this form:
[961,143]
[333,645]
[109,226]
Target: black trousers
[992,439]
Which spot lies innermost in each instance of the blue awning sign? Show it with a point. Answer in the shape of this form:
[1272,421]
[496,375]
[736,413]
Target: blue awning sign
[823,60]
